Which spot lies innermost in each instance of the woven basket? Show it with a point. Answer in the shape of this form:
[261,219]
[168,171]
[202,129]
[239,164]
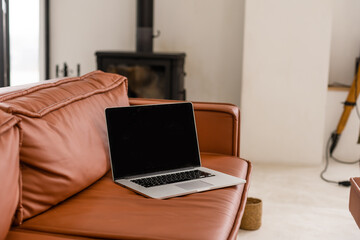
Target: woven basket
[252,214]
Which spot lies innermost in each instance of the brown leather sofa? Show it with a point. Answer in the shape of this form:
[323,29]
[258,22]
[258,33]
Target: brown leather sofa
[354,201]
[54,168]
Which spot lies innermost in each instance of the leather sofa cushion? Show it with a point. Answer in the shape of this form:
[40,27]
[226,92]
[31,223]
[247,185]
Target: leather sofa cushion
[9,170]
[31,235]
[354,201]
[64,147]
[108,211]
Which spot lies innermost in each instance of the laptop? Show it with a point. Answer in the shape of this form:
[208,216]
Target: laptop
[154,151]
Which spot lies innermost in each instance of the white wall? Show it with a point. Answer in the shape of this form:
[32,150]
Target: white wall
[81,27]
[345,41]
[285,75]
[209,32]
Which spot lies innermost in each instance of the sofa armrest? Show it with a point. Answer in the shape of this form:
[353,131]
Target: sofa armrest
[354,201]
[218,125]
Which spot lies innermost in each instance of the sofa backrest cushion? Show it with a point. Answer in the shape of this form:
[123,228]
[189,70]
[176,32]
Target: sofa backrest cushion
[9,170]
[214,121]
[64,146]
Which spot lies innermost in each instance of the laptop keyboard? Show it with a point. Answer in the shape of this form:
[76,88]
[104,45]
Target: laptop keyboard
[171,178]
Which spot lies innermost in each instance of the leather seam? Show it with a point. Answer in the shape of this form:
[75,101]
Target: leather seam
[67,101]
[241,208]
[24,92]
[8,124]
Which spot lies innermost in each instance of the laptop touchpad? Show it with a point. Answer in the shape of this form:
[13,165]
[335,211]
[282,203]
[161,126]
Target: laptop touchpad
[194,185]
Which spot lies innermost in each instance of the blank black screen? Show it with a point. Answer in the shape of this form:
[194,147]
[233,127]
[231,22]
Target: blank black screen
[151,138]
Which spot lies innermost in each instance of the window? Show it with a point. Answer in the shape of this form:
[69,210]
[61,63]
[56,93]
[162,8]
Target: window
[24,32]
[23,47]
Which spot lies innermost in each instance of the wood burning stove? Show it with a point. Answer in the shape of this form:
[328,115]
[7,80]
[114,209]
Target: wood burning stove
[150,75]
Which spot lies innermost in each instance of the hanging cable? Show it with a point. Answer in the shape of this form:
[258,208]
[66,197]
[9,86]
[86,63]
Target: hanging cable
[345,183]
[326,163]
[350,102]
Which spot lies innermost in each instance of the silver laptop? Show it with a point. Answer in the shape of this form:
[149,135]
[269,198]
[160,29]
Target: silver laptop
[154,151]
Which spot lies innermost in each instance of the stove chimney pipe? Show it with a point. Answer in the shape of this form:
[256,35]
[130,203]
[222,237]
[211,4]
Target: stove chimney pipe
[144,25]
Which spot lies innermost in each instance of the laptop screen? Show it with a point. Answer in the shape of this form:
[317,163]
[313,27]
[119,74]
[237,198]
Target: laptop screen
[151,138]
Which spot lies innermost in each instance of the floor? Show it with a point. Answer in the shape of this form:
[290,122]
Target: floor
[297,204]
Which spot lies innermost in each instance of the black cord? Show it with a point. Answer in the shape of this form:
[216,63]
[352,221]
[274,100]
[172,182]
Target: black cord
[327,150]
[345,183]
[327,163]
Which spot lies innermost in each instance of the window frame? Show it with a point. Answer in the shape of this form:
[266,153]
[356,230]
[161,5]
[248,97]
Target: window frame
[5,42]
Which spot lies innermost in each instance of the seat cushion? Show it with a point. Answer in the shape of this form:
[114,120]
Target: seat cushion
[9,170]
[108,211]
[31,235]
[64,147]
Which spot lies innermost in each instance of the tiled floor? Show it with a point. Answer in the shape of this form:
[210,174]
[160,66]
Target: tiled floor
[297,204]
